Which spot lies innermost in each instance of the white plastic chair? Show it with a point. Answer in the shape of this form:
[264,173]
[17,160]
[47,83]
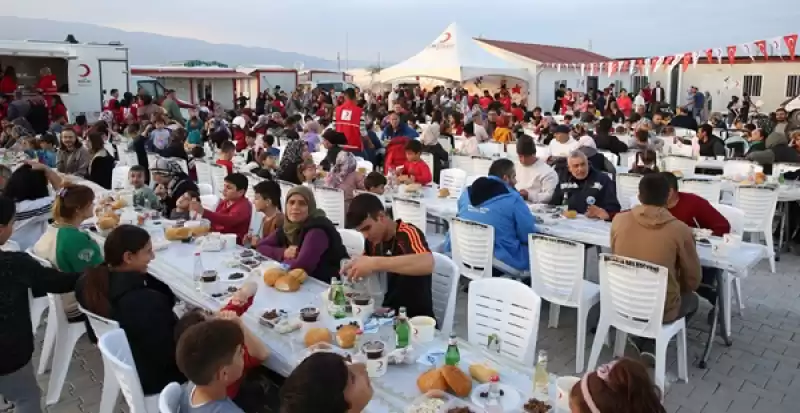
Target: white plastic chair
[353,242]
[481,165]
[128,158]
[169,401]
[758,204]
[101,326]
[444,288]
[490,148]
[462,162]
[627,186]
[203,171]
[218,174]
[182,163]
[632,295]
[428,159]
[331,200]
[256,222]
[445,142]
[557,268]
[119,177]
[285,187]
[473,248]
[782,168]
[454,180]
[740,168]
[318,157]
[205,189]
[685,165]
[735,217]
[116,353]
[511,150]
[410,211]
[37,305]
[708,189]
[508,309]
[66,336]
[367,165]
[209,202]
[611,156]
[678,148]
[151,159]
[357,192]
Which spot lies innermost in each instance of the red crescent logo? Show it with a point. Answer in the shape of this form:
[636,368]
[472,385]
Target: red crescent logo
[447,37]
[86,70]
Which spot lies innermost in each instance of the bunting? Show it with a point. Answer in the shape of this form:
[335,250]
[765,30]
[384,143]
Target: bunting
[791,44]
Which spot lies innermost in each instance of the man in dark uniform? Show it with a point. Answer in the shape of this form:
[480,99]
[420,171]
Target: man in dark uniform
[586,190]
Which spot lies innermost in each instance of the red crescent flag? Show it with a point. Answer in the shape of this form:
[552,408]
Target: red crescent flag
[668,62]
[762,47]
[791,44]
[640,65]
[732,53]
[687,58]
[710,55]
[654,63]
[612,67]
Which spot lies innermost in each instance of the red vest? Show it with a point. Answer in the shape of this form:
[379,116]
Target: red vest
[348,122]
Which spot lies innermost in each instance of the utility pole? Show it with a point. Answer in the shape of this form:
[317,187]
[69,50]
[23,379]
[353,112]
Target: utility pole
[379,60]
[590,45]
[338,62]
[347,50]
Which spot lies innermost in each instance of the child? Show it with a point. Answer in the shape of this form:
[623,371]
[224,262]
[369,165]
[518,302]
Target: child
[267,200]
[470,145]
[233,214]
[31,147]
[197,155]
[622,386]
[415,169]
[502,133]
[269,140]
[181,210]
[194,127]
[143,196]
[311,135]
[159,137]
[375,182]
[251,150]
[645,162]
[211,355]
[226,152]
[267,164]
[307,171]
[47,153]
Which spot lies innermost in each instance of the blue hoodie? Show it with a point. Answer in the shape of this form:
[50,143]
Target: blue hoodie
[492,201]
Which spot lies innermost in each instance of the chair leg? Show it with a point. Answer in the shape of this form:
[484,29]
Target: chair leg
[111,388]
[725,290]
[597,345]
[683,362]
[49,342]
[661,362]
[770,250]
[580,344]
[555,309]
[65,345]
[737,285]
[620,340]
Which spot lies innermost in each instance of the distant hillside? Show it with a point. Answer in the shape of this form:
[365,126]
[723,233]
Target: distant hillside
[154,49]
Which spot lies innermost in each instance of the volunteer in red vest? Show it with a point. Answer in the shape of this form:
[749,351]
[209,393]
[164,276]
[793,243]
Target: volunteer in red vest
[351,123]
[47,84]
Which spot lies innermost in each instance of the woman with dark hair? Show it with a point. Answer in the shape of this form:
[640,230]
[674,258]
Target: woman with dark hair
[307,239]
[8,83]
[326,383]
[101,165]
[622,386]
[121,289]
[73,158]
[58,108]
[430,143]
[293,156]
[176,148]
[614,113]
[28,188]
[172,183]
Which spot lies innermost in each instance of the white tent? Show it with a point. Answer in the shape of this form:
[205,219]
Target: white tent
[455,56]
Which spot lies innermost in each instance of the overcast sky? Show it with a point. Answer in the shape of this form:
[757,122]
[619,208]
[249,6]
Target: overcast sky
[400,28]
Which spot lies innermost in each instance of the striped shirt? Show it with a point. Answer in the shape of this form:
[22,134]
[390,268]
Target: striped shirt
[30,221]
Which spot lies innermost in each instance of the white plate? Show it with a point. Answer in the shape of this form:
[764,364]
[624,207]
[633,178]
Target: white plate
[510,400]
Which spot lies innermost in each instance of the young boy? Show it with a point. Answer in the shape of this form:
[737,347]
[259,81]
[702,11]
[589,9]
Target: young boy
[267,200]
[375,182]
[159,137]
[233,214]
[226,152]
[211,355]
[251,149]
[181,210]
[197,154]
[266,166]
[415,169]
[143,196]
[269,140]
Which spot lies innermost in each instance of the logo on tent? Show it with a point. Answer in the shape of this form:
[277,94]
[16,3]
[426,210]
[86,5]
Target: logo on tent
[443,41]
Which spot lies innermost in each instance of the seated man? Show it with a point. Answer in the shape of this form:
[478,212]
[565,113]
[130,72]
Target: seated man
[233,213]
[648,232]
[697,212]
[586,190]
[536,180]
[396,248]
[492,200]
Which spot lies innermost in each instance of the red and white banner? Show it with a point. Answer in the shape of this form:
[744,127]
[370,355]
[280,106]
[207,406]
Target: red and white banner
[762,47]
[791,44]
[732,53]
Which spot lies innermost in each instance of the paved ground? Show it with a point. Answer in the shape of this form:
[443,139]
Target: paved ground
[759,373]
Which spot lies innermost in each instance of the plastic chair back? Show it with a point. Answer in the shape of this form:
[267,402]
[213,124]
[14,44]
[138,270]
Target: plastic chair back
[169,401]
[331,200]
[454,180]
[116,353]
[708,189]
[473,248]
[735,217]
[758,204]
[444,288]
[627,186]
[353,242]
[557,268]
[410,211]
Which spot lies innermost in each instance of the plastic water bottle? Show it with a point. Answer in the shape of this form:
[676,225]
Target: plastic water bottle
[541,379]
[198,270]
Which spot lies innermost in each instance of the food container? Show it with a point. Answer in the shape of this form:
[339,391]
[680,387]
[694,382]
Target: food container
[455,403]
[272,322]
[423,328]
[363,306]
[209,282]
[433,401]
[377,358]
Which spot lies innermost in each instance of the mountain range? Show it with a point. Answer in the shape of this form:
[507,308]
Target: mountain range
[156,49]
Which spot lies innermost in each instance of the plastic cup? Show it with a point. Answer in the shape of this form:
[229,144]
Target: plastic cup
[423,328]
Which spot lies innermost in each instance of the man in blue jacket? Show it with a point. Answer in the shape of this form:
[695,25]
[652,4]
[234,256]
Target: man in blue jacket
[493,200]
[396,128]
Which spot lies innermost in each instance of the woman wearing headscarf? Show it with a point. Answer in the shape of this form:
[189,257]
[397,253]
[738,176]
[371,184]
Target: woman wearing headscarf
[596,159]
[344,176]
[172,183]
[430,143]
[307,239]
[332,141]
[293,156]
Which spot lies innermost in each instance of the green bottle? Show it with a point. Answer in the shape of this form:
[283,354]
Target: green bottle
[339,299]
[452,356]
[402,329]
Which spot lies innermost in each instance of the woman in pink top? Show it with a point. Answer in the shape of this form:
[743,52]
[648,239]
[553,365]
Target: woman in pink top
[344,176]
[625,103]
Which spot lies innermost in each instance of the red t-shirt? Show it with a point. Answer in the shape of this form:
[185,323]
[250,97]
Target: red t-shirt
[506,101]
[58,110]
[231,217]
[485,101]
[348,122]
[227,164]
[249,361]
[518,114]
[419,171]
[47,84]
[7,85]
[697,212]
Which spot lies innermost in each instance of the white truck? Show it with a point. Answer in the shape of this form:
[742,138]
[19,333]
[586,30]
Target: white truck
[85,72]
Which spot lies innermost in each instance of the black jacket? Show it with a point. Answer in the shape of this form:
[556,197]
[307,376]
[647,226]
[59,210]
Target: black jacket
[785,154]
[714,146]
[184,184]
[142,305]
[174,151]
[330,158]
[20,273]
[100,170]
[684,121]
[330,263]
[597,185]
[611,143]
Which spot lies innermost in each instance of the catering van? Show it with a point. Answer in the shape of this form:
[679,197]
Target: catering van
[85,72]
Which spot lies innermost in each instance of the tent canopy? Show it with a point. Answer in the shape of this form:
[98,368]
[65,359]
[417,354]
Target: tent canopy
[456,56]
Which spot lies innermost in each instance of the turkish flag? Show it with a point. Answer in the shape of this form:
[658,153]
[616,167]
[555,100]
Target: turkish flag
[640,63]
[687,58]
[791,44]
[668,61]
[762,47]
[612,67]
[654,64]
[732,53]
[710,55]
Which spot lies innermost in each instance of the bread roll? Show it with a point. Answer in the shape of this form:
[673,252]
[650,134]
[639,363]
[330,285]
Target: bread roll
[287,284]
[431,380]
[177,233]
[459,383]
[444,192]
[482,373]
[570,214]
[273,274]
[120,203]
[346,336]
[299,274]
[200,230]
[413,187]
[106,223]
[317,335]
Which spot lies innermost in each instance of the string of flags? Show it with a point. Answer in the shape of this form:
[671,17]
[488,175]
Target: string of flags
[767,48]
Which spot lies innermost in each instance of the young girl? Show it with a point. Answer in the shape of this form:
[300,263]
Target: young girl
[47,152]
[622,386]
[64,244]
[181,210]
[645,162]
[194,128]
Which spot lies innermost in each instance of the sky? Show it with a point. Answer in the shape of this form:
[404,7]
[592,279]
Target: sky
[397,29]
